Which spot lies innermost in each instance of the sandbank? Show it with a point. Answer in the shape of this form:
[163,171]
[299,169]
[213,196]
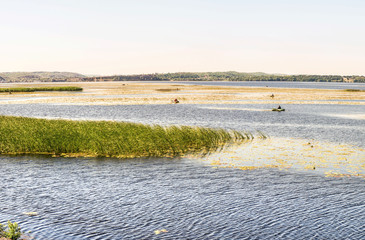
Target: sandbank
[134,93]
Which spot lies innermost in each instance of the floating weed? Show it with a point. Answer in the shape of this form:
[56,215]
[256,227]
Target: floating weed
[30,213]
[248,168]
[297,154]
[340,175]
[310,167]
[160,231]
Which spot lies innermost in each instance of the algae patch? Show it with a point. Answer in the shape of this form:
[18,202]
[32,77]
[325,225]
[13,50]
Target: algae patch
[325,158]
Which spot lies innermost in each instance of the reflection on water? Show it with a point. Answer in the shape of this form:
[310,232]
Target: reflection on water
[349,116]
[131,199]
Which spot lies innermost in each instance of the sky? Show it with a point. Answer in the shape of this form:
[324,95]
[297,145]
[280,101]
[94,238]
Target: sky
[109,37]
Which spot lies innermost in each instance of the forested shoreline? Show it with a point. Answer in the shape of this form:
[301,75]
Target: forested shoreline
[227,76]
[179,76]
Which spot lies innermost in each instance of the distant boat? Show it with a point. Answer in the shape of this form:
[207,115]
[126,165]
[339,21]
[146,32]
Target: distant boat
[278,110]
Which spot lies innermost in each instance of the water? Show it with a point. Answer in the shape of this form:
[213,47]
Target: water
[274,84]
[130,199]
[330,122]
[100,198]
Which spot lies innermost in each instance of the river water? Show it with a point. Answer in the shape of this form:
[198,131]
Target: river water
[197,197]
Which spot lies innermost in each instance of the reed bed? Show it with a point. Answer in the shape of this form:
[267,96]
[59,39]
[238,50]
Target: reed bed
[167,89]
[354,90]
[40,89]
[21,135]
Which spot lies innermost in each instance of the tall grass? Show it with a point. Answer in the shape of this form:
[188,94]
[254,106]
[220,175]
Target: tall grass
[39,89]
[20,135]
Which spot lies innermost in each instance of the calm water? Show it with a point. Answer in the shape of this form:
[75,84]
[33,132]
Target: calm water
[273,84]
[130,199]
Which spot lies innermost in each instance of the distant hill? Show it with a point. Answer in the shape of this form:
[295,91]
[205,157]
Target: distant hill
[39,76]
[227,76]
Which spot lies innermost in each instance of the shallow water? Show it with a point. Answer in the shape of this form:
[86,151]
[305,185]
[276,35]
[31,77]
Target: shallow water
[330,122]
[198,198]
[274,84]
[130,199]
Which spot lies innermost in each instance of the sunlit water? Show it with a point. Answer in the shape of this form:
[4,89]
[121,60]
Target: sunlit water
[119,199]
[275,84]
[211,197]
[331,122]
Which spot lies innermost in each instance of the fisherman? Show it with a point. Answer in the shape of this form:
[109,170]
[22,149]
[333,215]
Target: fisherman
[272,96]
[176,101]
[279,107]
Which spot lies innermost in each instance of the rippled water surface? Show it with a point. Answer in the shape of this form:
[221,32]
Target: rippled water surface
[192,198]
[130,199]
[332,122]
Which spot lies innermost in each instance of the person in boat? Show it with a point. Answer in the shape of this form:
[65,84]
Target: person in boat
[272,96]
[176,101]
[279,107]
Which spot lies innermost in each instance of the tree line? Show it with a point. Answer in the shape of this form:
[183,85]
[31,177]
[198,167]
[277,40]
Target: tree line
[227,76]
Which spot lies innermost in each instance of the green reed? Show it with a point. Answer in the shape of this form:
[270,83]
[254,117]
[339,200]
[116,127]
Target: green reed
[167,89]
[354,90]
[40,89]
[20,135]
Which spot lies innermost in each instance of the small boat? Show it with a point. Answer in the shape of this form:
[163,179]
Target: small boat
[278,109]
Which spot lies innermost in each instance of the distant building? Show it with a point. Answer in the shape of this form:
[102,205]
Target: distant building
[349,80]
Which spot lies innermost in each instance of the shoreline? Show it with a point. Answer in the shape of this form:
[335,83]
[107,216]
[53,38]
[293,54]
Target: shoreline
[137,93]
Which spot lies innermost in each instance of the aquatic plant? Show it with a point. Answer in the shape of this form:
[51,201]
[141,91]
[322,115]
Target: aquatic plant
[40,89]
[354,90]
[12,232]
[261,134]
[21,135]
[167,89]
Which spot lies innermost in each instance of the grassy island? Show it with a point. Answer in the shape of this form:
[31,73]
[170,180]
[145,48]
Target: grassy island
[40,89]
[21,135]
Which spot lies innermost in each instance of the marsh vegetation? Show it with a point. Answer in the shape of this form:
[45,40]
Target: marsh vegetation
[20,135]
[354,90]
[40,89]
[12,231]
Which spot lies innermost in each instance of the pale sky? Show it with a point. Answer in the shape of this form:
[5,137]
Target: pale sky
[110,37]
